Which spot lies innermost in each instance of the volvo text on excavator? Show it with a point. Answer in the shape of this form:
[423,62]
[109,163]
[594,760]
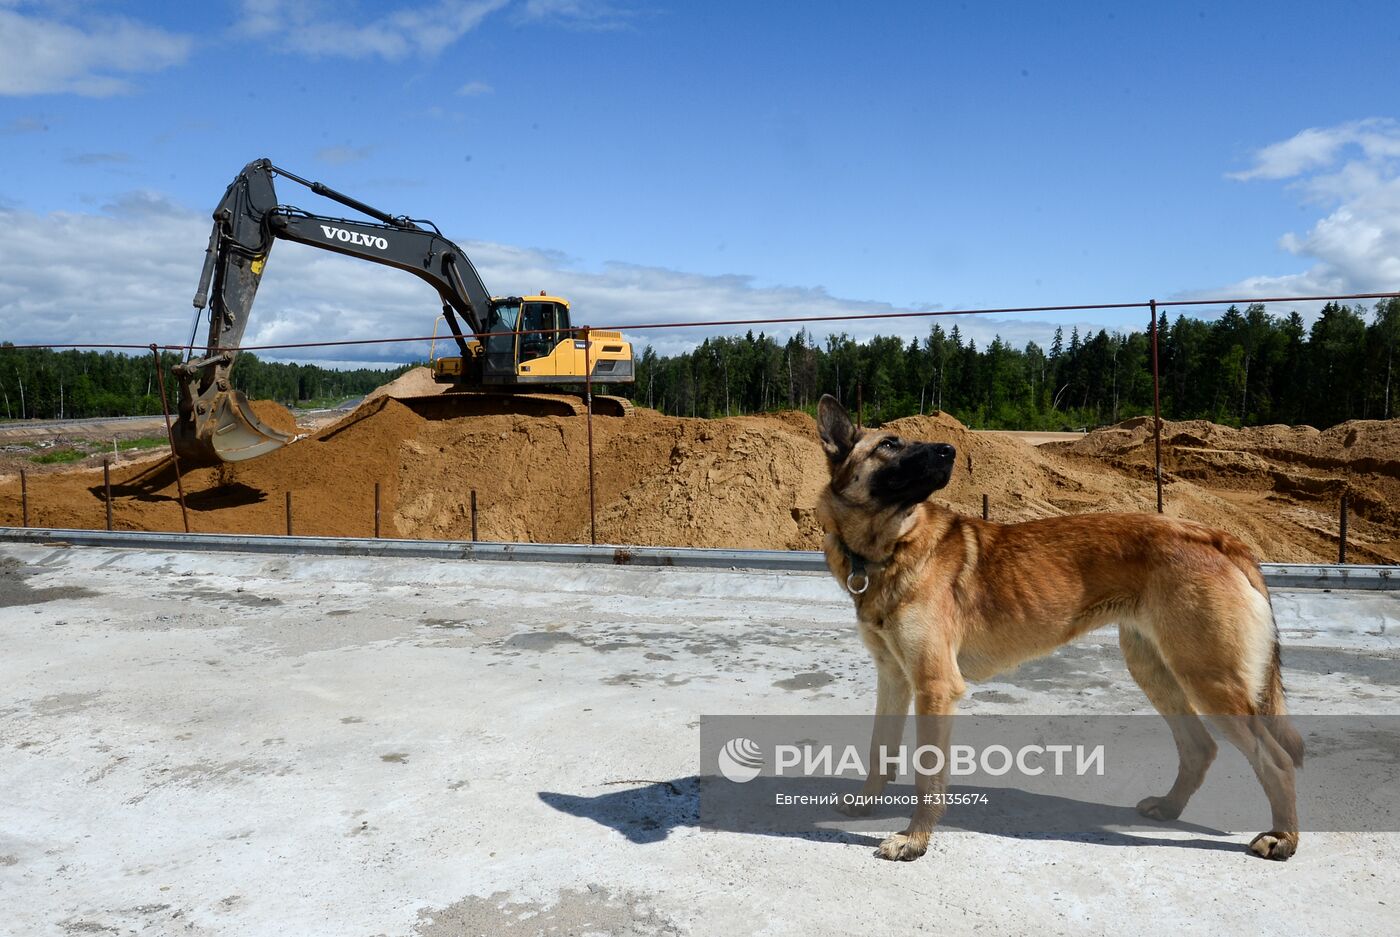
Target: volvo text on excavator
[516,344]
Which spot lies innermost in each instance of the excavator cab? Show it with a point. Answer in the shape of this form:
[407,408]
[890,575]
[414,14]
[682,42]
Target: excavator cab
[531,341]
[543,324]
[517,330]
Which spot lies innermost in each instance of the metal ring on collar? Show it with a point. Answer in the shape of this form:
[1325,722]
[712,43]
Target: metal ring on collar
[864,583]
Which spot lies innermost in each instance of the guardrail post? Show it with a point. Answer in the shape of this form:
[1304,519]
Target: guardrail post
[986,511]
[474,538]
[289,514]
[24,496]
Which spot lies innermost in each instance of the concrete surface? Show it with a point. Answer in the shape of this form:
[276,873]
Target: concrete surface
[237,744]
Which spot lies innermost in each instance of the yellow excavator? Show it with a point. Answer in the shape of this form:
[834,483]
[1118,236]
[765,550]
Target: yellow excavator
[517,346]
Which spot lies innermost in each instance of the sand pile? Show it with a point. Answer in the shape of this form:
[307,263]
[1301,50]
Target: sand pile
[741,482]
[659,481]
[1283,482]
[274,416]
[415,383]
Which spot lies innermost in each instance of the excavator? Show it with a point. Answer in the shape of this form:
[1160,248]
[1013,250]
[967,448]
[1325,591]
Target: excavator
[517,346]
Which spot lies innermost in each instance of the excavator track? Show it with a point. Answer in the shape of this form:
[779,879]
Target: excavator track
[612,406]
[458,403]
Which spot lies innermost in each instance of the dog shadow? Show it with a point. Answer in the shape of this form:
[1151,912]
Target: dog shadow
[648,813]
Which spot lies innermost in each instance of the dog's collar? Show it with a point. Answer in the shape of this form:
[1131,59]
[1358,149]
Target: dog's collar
[858,579]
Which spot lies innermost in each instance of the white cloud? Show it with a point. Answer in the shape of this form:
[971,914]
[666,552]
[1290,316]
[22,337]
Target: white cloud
[1352,172]
[474,89]
[1317,147]
[98,159]
[578,14]
[340,155]
[142,256]
[323,29]
[45,56]
[25,125]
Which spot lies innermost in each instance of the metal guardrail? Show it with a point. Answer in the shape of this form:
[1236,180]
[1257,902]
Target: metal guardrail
[1277,575]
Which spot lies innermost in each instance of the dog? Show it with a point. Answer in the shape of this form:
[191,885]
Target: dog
[941,598]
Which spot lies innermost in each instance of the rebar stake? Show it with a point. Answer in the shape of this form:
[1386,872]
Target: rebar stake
[1156,410]
[170,436]
[588,403]
[1342,535]
[107,488]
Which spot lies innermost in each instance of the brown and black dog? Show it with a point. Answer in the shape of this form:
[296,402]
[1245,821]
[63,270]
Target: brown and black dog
[940,597]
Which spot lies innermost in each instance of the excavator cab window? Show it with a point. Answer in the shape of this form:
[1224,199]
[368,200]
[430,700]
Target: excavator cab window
[503,317]
[500,348]
[537,325]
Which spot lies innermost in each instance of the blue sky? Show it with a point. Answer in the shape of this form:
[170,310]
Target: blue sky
[702,161]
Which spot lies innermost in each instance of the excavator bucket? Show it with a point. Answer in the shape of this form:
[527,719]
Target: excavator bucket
[231,433]
[239,434]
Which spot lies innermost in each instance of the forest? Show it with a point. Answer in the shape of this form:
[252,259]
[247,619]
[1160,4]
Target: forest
[1246,367]
[47,384]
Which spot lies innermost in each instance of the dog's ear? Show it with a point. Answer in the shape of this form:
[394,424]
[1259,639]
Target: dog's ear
[834,425]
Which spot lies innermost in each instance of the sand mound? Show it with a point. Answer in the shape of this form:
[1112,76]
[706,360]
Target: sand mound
[742,482]
[275,416]
[415,383]
[1294,474]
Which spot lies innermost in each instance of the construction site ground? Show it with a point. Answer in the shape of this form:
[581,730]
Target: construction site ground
[237,744]
[745,481]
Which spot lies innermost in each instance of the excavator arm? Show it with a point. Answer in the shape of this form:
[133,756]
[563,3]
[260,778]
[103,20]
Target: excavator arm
[215,422]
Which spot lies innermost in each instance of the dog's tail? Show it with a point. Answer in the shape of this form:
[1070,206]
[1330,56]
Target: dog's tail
[1275,710]
[1271,703]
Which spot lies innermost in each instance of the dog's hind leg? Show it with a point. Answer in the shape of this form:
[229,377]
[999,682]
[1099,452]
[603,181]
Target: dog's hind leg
[1228,701]
[1194,745]
[1274,768]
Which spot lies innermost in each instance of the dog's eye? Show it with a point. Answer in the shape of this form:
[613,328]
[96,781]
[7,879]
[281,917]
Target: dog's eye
[889,445]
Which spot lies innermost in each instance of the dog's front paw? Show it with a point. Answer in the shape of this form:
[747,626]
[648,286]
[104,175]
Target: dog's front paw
[1158,808]
[1274,845]
[903,847]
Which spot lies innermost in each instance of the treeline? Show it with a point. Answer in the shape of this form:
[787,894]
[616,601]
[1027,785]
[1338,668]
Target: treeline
[47,384]
[1247,367]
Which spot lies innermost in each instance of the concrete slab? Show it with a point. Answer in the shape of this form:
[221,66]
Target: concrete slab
[242,744]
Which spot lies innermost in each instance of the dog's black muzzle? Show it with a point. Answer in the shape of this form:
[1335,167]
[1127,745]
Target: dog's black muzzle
[918,471]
